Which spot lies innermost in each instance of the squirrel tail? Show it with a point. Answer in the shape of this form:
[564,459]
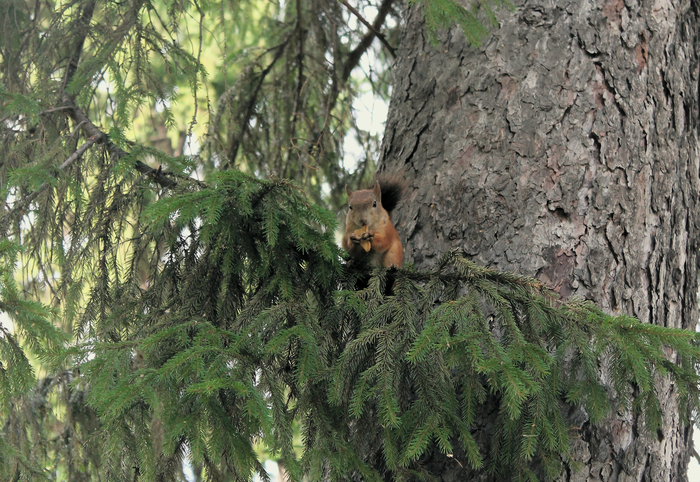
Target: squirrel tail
[392,189]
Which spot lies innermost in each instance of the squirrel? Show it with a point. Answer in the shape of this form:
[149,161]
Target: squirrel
[368,227]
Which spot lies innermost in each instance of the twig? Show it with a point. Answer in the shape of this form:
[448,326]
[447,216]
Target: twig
[82,119]
[372,29]
[357,53]
[55,109]
[75,131]
[199,56]
[229,93]
[236,142]
[25,201]
[354,58]
[83,24]
[157,175]
[300,68]
[79,151]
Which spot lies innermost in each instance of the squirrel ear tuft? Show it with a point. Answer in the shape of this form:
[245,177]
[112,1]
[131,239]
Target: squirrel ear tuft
[348,191]
[377,192]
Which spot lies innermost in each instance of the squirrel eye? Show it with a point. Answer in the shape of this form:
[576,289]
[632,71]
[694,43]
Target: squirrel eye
[374,204]
[350,206]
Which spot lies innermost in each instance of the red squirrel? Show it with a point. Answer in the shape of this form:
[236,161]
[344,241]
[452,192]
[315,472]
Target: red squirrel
[368,227]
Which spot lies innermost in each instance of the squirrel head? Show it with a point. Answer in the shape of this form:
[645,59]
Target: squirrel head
[364,206]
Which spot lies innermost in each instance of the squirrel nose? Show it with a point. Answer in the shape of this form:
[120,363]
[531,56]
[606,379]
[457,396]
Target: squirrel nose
[363,221]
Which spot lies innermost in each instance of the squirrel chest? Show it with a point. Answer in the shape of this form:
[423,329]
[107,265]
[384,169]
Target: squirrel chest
[369,230]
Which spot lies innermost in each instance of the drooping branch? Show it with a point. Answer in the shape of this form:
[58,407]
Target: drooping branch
[250,107]
[82,27]
[21,205]
[83,123]
[373,32]
[164,179]
[92,132]
[300,69]
[82,120]
[354,57]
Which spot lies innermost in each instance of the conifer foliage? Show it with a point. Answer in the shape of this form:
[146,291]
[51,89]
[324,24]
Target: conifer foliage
[251,323]
[151,319]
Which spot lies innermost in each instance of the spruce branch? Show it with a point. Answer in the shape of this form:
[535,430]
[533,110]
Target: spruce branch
[251,102]
[22,205]
[374,29]
[164,179]
[88,127]
[242,316]
[300,68]
[82,27]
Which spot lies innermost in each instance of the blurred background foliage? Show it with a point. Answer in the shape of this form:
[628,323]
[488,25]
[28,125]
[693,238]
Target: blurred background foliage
[265,87]
[107,107]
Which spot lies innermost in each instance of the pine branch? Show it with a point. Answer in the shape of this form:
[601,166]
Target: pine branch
[250,105]
[374,29]
[23,203]
[164,179]
[300,69]
[82,28]
[92,131]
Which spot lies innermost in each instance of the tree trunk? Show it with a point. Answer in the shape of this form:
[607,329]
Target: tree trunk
[566,148]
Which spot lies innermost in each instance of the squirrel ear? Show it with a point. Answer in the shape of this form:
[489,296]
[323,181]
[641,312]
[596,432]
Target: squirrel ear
[348,191]
[377,192]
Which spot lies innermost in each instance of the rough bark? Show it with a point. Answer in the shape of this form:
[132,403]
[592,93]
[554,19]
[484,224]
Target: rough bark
[565,147]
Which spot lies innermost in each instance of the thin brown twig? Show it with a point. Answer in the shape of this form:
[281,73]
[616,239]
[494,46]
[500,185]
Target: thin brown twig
[372,29]
[82,25]
[84,121]
[250,108]
[157,175]
[199,56]
[22,204]
[79,151]
[353,58]
[300,71]
[357,53]
[229,93]
[54,109]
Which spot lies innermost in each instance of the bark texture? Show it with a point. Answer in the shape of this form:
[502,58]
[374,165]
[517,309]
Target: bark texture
[565,147]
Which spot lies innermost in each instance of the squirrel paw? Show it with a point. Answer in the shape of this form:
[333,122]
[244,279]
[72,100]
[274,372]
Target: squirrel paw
[363,237]
[362,234]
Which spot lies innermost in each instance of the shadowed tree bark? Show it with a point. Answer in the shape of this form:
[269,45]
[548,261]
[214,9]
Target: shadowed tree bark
[565,147]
